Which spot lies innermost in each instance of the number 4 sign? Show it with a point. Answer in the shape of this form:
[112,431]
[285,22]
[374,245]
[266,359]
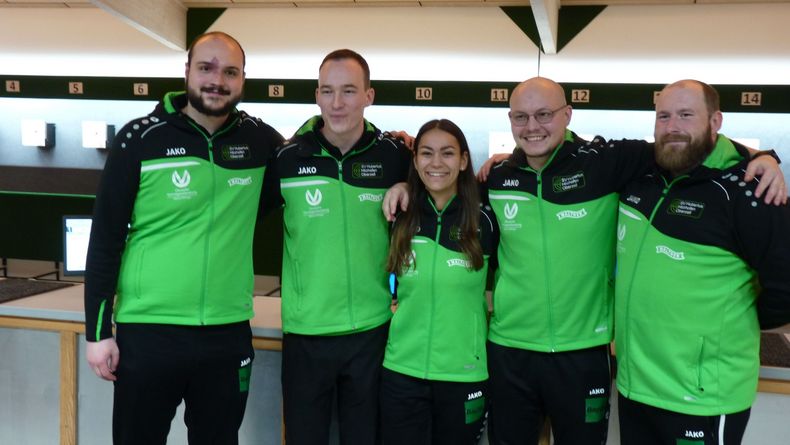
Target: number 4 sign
[12,86]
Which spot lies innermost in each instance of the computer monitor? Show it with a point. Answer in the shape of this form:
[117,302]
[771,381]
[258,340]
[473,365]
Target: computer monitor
[76,234]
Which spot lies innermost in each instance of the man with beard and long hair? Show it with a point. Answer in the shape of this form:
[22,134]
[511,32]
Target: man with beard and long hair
[172,235]
[702,267]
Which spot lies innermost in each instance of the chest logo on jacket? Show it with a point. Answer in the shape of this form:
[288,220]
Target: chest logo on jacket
[511,210]
[303,170]
[240,181]
[372,197]
[458,262]
[367,170]
[564,183]
[181,181]
[314,198]
[235,152]
[683,207]
[573,214]
[677,256]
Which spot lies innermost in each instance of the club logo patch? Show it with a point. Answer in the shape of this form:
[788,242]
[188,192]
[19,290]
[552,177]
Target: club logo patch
[684,207]
[235,152]
[314,198]
[367,170]
[511,210]
[564,183]
[181,181]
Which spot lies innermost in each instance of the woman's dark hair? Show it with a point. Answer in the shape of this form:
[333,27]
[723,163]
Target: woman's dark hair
[469,198]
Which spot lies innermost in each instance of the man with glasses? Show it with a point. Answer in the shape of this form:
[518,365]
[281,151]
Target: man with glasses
[556,204]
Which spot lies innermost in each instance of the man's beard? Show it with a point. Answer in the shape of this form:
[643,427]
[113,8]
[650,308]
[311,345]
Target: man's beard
[200,105]
[683,160]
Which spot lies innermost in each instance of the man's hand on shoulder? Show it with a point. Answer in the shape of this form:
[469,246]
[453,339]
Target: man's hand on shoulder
[396,196]
[406,138]
[770,177]
[485,169]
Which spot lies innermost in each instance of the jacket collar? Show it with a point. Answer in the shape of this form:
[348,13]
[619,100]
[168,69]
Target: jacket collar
[315,141]
[571,141]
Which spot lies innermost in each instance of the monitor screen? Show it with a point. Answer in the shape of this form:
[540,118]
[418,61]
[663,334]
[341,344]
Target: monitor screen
[76,233]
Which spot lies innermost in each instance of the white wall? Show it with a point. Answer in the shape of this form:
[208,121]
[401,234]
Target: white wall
[649,44]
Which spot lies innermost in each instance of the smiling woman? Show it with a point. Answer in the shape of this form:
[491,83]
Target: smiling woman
[439,256]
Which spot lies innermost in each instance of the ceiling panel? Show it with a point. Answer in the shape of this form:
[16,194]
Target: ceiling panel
[287,3]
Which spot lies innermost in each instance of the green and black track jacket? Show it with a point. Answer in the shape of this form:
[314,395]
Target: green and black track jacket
[439,330]
[696,255]
[335,237]
[554,286]
[174,219]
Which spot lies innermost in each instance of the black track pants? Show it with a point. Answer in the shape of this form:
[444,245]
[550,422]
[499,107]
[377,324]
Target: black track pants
[314,368]
[206,366]
[430,412]
[570,388]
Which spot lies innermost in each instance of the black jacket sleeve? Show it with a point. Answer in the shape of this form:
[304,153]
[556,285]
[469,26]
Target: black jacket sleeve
[112,213]
[271,197]
[634,159]
[763,232]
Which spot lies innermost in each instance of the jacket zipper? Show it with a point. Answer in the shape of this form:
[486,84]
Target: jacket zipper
[433,281]
[639,251]
[345,244]
[543,228]
[207,248]
[346,238]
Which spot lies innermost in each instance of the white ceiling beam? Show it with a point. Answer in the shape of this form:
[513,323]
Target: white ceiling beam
[163,20]
[546,14]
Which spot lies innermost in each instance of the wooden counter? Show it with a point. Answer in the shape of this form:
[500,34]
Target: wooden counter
[62,311]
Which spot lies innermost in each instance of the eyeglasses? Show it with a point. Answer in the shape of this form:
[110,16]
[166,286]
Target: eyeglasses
[542,117]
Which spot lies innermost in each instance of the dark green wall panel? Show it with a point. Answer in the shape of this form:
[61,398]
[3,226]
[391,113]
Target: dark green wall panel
[601,96]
